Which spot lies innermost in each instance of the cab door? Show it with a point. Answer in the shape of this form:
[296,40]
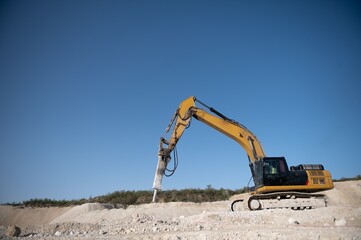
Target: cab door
[275,171]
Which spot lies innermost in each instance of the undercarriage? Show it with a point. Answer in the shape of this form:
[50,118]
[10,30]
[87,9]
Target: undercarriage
[290,200]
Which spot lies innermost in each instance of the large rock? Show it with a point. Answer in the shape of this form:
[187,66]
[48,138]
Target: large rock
[293,221]
[340,223]
[13,231]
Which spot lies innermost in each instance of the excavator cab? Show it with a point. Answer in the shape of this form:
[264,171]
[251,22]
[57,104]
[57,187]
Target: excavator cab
[272,174]
[276,173]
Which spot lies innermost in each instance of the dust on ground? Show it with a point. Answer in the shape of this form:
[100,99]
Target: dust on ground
[340,220]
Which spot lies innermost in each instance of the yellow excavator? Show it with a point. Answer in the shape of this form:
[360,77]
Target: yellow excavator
[276,185]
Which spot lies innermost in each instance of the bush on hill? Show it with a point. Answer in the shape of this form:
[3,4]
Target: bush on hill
[126,198]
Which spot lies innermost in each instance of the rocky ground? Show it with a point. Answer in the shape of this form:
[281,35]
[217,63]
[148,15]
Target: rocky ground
[340,220]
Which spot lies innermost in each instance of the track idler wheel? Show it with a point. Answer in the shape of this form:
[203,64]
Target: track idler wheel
[254,204]
[237,205]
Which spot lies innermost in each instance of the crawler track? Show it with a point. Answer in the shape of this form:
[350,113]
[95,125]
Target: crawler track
[292,200]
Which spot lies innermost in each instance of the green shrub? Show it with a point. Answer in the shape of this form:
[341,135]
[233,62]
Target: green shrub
[125,198]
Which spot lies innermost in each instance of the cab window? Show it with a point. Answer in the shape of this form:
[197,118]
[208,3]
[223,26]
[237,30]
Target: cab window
[271,167]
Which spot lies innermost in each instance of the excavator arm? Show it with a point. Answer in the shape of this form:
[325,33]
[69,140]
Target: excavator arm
[181,120]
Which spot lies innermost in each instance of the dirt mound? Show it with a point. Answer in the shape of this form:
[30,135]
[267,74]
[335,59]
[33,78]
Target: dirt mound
[22,217]
[78,213]
[345,194]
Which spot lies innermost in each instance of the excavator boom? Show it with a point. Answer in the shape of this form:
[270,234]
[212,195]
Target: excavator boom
[181,120]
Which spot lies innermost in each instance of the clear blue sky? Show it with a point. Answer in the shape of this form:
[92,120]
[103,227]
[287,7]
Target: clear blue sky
[88,87]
